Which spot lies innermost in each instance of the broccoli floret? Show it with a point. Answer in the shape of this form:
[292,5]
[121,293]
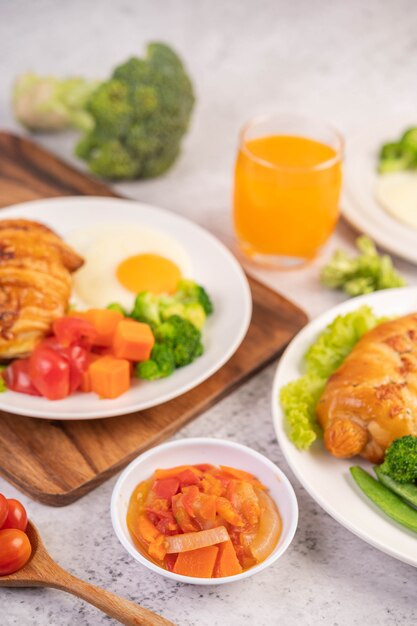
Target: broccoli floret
[182,337]
[134,121]
[189,291]
[193,311]
[401,460]
[146,309]
[160,365]
[115,306]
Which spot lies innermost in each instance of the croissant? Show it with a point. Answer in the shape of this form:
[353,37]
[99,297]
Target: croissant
[35,284]
[372,398]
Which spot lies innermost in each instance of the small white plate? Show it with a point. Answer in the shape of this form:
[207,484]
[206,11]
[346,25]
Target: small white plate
[213,266]
[216,452]
[326,478]
[359,205]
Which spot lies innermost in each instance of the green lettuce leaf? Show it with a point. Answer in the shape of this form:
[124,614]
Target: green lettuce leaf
[299,398]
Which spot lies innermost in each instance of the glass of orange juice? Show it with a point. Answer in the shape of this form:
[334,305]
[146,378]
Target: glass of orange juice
[288,178]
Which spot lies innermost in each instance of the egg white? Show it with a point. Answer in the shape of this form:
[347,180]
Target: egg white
[104,247]
[397,194]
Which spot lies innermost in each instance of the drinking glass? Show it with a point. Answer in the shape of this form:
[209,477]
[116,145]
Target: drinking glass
[288,177]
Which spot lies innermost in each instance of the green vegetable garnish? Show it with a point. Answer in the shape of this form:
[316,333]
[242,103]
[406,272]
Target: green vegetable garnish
[160,365]
[362,274]
[299,398]
[401,460]
[385,499]
[397,156]
[406,491]
[133,122]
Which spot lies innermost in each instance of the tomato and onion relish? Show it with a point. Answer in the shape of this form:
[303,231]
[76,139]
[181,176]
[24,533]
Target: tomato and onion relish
[204,521]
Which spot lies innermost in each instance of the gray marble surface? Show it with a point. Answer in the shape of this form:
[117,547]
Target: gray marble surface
[347,62]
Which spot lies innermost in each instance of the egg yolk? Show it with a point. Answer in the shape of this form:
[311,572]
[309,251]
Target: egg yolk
[148,272]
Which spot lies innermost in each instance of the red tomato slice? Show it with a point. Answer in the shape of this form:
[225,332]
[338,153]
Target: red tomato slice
[17,378]
[50,372]
[15,550]
[77,357]
[166,487]
[187,477]
[70,330]
[4,509]
[16,516]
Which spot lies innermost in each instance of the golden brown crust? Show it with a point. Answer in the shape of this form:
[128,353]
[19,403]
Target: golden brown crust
[35,283]
[375,389]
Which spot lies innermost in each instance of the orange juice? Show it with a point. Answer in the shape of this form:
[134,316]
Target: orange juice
[286,195]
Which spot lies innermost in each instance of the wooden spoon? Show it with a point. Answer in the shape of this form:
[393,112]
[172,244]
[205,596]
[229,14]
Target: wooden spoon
[42,571]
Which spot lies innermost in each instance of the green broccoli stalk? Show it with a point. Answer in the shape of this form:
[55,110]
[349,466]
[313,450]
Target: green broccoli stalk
[134,121]
[45,103]
[401,460]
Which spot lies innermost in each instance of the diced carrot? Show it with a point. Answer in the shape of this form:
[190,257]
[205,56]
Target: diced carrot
[198,563]
[227,563]
[241,475]
[105,322]
[86,379]
[193,540]
[146,529]
[133,341]
[110,377]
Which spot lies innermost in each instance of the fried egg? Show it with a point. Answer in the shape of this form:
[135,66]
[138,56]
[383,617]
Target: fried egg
[397,194]
[122,260]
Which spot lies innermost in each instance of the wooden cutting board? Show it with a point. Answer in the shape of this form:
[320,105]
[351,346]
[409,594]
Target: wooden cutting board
[58,462]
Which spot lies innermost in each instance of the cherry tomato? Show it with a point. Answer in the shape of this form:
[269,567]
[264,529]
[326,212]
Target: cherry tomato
[49,372]
[4,509]
[17,378]
[70,330]
[16,516]
[15,550]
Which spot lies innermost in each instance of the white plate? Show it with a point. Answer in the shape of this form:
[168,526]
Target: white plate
[213,266]
[359,206]
[326,478]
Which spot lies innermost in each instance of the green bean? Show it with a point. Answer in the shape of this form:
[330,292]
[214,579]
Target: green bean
[385,499]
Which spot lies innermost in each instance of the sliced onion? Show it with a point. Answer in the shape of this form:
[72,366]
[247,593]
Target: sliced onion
[269,529]
[193,541]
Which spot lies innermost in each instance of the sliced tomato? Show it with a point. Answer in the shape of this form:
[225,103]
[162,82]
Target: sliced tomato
[17,378]
[15,550]
[188,477]
[170,560]
[4,509]
[16,516]
[70,330]
[49,372]
[77,356]
[166,487]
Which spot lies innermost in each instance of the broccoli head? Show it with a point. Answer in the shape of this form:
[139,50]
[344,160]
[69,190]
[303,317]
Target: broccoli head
[401,460]
[146,309]
[143,112]
[160,365]
[134,122]
[182,337]
[189,291]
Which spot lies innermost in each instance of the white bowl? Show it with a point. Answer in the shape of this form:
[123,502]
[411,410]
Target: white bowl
[216,452]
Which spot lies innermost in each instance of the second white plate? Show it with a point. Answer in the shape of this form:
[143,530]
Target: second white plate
[359,205]
[213,266]
[326,478]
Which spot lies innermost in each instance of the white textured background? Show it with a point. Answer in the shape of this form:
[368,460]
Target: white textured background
[346,62]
